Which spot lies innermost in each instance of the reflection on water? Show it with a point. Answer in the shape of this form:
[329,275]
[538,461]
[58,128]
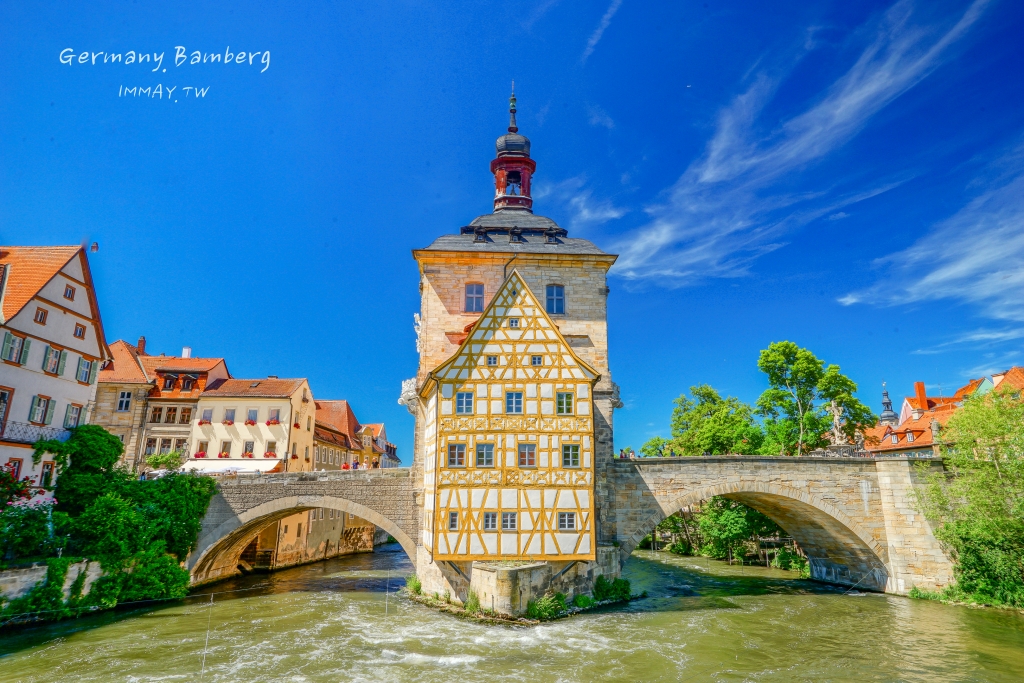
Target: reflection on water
[703,621]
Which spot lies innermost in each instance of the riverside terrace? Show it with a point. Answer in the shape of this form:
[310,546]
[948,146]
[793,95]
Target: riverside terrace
[854,517]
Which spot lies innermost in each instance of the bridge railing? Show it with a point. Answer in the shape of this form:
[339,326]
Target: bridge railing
[245,478]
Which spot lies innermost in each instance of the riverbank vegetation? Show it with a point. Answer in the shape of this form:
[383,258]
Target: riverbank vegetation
[793,416]
[977,506]
[139,531]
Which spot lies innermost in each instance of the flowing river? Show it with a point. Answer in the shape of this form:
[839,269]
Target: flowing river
[704,621]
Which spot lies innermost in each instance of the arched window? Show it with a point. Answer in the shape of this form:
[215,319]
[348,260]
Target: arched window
[556,299]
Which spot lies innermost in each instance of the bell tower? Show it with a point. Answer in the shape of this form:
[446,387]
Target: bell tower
[513,166]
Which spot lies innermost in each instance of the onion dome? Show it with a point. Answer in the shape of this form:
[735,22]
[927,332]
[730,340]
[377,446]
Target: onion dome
[888,415]
[512,143]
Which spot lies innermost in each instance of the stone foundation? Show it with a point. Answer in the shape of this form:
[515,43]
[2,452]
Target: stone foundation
[507,588]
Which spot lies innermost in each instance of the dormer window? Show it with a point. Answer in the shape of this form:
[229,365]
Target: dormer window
[186,383]
[169,382]
[895,438]
[910,436]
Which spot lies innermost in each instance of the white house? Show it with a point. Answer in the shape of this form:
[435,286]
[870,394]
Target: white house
[52,347]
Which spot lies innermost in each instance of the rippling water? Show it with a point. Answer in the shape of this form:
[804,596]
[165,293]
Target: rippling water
[704,621]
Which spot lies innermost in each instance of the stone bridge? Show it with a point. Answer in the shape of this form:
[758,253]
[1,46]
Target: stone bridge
[246,504]
[853,517]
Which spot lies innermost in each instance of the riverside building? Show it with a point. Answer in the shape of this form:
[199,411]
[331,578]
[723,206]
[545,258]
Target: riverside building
[53,345]
[513,398]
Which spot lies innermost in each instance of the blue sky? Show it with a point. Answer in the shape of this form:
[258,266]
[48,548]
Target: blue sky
[849,176]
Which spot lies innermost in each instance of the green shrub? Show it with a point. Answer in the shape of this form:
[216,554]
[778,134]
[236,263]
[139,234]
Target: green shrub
[791,561]
[616,590]
[472,603]
[448,597]
[547,607]
[919,594]
[412,582]
[583,601]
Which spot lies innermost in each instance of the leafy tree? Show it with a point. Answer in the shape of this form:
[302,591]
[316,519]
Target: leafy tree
[11,488]
[168,461]
[726,526]
[654,447]
[800,390]
[86,466]
[708,423]
[978,504]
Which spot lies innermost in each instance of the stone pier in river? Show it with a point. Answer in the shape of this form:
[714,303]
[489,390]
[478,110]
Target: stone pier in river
[854,517]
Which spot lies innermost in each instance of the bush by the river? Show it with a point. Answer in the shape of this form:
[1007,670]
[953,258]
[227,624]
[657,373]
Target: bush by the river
[547,607]
[978,505]
[140,531]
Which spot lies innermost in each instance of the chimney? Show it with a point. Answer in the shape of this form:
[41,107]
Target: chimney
[922,399]
[271,376]
[186,351]
[142,346]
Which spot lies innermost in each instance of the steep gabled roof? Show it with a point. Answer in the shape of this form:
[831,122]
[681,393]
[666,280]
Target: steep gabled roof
[1013,378]
[338,415]
[878,439]
[26,272]
[155,364]
[514,299]
[125,366]
[255,388]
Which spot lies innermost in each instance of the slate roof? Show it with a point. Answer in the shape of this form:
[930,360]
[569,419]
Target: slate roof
[531,244]
[255,388]
[124,367]
[27,270]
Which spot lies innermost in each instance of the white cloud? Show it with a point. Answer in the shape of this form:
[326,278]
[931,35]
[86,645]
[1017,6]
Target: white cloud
[595,37]
[727,209]
[974,256]
[599,117]
[584,209]
[839,216]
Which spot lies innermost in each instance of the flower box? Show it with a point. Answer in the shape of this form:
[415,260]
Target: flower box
[295,456]
[296,426]
[224,455]
[250,423]
[204,422]
[200,454]
[228,423]
[270,455]
[273,422]
[247,454]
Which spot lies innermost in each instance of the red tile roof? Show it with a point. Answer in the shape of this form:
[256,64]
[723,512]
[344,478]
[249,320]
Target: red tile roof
[878,439]
[338,415]
[256,388]
[155,364]
[1013,378]
[27,270]
[125,366]
[327,434]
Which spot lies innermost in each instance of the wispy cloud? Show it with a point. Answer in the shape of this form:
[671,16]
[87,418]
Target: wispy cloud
[974,256]
[599,117]
[976,339]
[585,210]
[595,37]
[538,12]
[727,208]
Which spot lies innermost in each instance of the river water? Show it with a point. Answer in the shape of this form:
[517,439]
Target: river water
[704,621]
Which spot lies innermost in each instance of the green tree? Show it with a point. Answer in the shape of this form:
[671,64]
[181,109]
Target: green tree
[800,389]
[726,526]
[978,504]
[166,461]
[86,466]
[708,423]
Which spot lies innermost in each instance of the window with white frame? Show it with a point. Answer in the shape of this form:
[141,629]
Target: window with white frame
[202,447]
[527,455]
[514,402]
[124,401]
[474,298]
[79,331]
[536,360]
[570,455]
[485,455]
[207,414]
[225,448]
[566,521]
[490,521]
[69,292]
[229,415]
[12,348]
[508,521]
[252,414]
[84,370]
[169,381]
[513,322]
[910,437]
[52,360]
[248,447]
[456,455]
[895,438]
[492,360]
[563,403]
[40,407]
[171,416]
[72,415]
[464,403]
[186,383]
[275,415]
[272,447]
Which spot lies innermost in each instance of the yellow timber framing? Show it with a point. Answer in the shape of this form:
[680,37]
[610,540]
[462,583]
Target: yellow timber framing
[535,494]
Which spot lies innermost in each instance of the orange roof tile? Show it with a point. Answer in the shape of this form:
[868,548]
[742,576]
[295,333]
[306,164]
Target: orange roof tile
[155,364]
[338,415]
[256,388]
[125,366]
[1013,378]
[329,435]
[27,270]
[879,438]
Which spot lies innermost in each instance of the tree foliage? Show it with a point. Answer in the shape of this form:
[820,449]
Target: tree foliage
[979,504]
[86,466]
[800,389]
[726,527]
[704,422]
[13,489]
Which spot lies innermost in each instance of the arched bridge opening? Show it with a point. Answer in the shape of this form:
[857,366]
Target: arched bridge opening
[838,548]
[221,544]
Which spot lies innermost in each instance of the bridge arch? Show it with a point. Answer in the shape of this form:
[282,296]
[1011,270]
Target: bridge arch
[218,549]
[838,548]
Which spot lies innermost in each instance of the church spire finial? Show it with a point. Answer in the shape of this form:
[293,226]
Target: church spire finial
[888,415]
[512,127]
